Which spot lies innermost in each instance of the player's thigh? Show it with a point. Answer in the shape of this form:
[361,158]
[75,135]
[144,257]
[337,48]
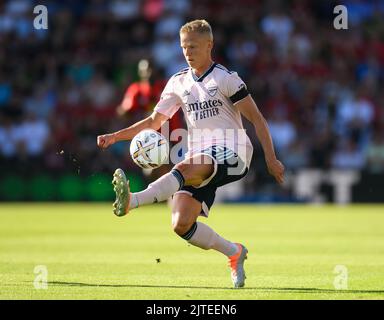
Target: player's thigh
[185,211]
[196,169]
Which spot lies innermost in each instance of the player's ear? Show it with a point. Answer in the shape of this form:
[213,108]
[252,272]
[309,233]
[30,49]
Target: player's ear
[210,44]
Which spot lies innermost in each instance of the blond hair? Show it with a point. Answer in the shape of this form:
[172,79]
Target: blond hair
[199,26]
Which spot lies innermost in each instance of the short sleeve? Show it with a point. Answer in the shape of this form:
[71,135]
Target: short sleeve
[236,88]
[129,98]
[169,101]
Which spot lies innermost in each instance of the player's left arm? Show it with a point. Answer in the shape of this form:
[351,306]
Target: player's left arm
[249,110]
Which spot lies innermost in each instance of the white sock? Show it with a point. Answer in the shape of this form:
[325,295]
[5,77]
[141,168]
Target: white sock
[204,237]
[159,190]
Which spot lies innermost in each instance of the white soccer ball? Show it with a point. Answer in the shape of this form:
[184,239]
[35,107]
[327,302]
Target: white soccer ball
[149,149]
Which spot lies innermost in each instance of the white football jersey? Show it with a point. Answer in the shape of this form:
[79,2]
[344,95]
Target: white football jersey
[209,105]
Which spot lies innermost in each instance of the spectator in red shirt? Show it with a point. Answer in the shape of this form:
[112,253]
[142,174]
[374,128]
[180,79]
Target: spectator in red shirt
[141,97]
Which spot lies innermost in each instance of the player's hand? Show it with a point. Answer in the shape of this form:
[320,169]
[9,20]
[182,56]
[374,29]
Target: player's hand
[105,140]
[276,169]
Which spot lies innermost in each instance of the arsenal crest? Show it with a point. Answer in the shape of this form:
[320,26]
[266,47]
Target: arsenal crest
[212,91]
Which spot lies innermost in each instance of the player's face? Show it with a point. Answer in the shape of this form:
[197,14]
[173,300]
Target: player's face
[196,49]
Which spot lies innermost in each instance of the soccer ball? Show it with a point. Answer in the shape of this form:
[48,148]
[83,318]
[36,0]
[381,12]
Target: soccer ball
[149,149]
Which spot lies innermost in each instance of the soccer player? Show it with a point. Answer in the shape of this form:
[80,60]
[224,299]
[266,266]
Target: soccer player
[212,99]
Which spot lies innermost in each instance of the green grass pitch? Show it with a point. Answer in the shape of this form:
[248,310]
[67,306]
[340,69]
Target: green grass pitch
[91,254]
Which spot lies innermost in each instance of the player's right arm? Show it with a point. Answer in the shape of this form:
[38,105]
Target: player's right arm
[154,121]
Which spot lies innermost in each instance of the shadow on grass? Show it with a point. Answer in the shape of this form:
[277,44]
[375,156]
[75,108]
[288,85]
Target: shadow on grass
[300,290]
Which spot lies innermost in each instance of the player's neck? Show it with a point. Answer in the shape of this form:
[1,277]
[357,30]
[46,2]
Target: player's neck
[200,71]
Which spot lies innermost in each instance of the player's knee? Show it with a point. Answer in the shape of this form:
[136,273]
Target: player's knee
[186,171]
[181,226]
[183,169]
[194,173]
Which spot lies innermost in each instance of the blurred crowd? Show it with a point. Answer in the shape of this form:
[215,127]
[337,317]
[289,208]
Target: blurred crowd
[319,88]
